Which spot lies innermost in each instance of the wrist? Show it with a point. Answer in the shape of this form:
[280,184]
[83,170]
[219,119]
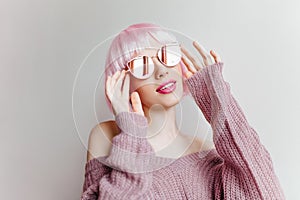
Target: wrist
[132,123]
[118,110]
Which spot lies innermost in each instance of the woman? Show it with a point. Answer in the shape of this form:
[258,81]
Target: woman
[143,155]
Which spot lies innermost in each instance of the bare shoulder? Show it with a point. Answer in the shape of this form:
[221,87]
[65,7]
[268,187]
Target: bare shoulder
[100,138]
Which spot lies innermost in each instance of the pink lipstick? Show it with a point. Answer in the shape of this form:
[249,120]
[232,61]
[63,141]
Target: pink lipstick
[167,87]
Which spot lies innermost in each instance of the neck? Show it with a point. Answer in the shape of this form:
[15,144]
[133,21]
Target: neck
[162,127]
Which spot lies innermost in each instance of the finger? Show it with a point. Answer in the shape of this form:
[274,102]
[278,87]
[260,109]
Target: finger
[108,86]
[136,103]
[190,57]
[120,80]
[216,56]
[188,66]
[200,49]
[207,58]
[114,79]
[189,71]
[126,85]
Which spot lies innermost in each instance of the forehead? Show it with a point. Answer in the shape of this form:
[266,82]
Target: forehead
[149,50]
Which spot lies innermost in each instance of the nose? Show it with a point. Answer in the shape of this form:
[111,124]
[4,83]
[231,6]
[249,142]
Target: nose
[161,71]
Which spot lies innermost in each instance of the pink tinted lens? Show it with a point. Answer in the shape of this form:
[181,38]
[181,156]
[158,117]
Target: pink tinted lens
[141,67]
[169,55]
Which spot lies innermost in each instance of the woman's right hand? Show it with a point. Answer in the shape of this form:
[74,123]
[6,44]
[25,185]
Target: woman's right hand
[119,98]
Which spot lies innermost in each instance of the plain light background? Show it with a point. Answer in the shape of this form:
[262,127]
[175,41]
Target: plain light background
[44,43]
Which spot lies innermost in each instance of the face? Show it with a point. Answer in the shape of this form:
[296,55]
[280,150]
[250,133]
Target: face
[161,74]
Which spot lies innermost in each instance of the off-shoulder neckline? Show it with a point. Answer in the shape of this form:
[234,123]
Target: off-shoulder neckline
[202,153]
[178,162]
[189,158]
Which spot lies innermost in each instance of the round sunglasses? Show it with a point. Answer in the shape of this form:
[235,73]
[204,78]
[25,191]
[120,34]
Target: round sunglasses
[142,66]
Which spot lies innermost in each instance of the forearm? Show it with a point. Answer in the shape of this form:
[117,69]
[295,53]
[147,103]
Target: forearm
[129,161]
[235,140]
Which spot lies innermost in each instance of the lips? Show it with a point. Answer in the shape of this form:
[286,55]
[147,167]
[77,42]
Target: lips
[160,88]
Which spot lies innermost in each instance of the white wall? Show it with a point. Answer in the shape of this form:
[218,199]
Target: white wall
[44,43]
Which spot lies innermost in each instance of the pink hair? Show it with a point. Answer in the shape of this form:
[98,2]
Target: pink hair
[129,42]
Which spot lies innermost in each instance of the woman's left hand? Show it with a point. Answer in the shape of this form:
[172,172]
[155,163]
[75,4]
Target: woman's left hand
[208,59]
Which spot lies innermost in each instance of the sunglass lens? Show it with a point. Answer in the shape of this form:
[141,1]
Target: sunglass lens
[141,67]
[170,55]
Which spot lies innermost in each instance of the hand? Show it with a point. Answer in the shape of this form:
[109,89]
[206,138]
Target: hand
[208,59]
[120,99]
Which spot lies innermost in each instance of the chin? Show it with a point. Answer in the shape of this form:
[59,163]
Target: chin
[165,100]
[170,104]
[162,104]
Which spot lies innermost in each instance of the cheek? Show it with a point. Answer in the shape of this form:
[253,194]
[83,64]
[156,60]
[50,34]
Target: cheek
[147,94]
[146,90]
[142,93]
[140,86]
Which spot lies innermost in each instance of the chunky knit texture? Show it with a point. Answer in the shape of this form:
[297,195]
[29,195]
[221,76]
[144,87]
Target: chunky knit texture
[239,167]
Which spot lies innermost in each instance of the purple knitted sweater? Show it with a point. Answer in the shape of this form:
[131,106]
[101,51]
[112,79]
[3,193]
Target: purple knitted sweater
[239,167]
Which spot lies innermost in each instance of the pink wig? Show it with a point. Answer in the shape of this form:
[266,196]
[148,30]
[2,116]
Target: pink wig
[129,42]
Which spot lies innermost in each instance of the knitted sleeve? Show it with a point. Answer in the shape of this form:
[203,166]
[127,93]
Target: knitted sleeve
[247,171]
[127,176]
